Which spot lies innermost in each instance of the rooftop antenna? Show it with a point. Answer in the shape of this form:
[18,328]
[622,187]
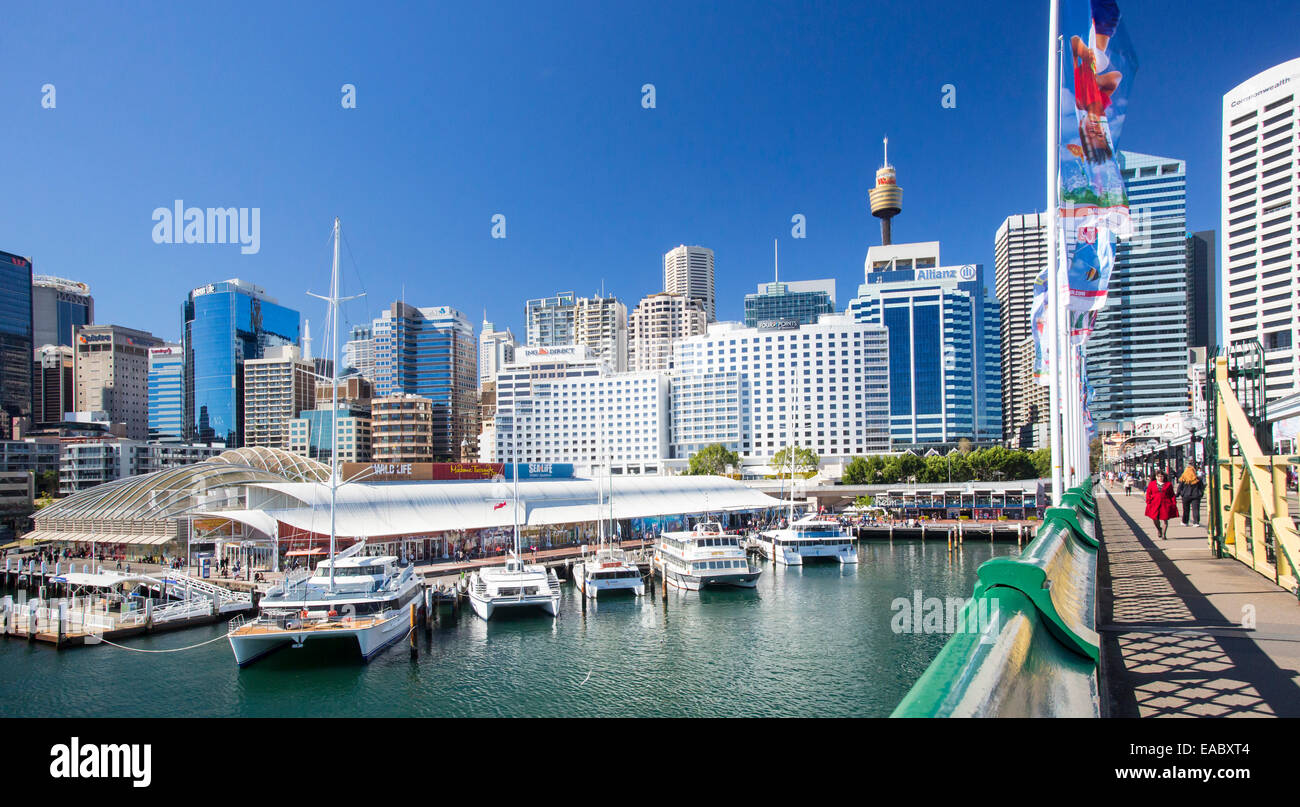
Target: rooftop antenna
[306,340]
[776,264]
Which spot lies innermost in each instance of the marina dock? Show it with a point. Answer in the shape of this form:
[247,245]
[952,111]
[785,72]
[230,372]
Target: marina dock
[73,608]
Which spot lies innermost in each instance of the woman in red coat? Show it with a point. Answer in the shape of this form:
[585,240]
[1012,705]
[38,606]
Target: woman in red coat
[1161,504]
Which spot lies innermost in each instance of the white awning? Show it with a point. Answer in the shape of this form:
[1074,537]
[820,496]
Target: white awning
[400,509]
[259,520]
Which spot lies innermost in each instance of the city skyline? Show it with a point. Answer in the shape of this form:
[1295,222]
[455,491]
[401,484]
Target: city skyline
[680,187]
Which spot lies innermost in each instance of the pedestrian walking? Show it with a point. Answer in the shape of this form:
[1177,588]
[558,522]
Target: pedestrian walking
[1128,484]
[1161,503]
[1190,489]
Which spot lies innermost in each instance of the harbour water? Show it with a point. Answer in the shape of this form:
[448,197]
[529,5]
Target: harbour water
[815,641]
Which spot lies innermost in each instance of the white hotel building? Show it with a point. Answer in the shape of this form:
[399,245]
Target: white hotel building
[1261,221]
[570,407]
[742,387]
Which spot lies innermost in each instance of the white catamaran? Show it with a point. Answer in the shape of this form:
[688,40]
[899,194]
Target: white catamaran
[609,570]
[515,585]
[808,537]
[366,600]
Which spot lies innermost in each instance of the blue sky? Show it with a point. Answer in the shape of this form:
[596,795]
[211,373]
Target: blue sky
[534,111]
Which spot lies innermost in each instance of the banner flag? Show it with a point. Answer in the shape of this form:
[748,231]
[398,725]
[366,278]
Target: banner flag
[1094,102]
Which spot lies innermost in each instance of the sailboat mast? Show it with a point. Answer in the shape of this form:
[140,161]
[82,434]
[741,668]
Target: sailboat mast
[514,452]
[793,426]
[334,388]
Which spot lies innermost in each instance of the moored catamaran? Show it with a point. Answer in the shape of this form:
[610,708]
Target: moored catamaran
[366,600]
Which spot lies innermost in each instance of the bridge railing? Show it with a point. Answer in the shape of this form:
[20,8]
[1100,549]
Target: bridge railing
[1025,645]
[1250,519]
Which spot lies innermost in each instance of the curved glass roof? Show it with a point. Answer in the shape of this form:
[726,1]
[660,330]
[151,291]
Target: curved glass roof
[174,491]
[278,461]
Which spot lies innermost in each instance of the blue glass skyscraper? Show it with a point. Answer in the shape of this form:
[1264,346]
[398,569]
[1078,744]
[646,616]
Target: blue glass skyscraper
[15,335]
[1137,356]
[223,325]
[431,352]
[944,368]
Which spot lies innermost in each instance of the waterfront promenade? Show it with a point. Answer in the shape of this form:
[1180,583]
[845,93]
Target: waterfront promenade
[1171,618]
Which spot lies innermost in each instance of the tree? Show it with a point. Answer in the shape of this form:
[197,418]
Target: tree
[1094,453]
[1042,462]
[712,460]
[855,473]
[805,460]
[47,483]
[863,502]
[964,445]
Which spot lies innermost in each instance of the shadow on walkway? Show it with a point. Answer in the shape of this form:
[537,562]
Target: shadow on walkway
[1171,623]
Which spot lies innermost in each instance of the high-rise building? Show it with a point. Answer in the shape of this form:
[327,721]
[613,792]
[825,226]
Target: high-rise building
[431,352]
[1137,355]
[53,384]
[224,325]
[167,394]
[600,323]
[549,320]
[689,271]
[1020,253]
[359,352]
[112,374]
[1032,429]
[15,337]
[401,428]
[309,433]
[1260,221]
[59,308]
[496,349]
[566,404]
[276,388]
[823,387]
[944,369]
[799,301]
[656,323]
[1202,326]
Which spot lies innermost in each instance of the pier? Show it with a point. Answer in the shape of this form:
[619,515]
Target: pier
[73,608]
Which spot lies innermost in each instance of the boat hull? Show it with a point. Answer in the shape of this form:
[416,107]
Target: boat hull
[691,582]
[594,588]
[486,606]
[251,642]
[796,556]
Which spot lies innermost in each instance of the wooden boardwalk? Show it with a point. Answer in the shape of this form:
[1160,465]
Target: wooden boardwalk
[1176,633]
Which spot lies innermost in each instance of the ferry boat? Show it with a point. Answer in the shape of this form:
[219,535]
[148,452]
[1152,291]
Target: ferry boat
[366,600]
[703,557]
[808,538]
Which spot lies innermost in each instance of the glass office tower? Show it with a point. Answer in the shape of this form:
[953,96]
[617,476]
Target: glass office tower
[166,394]
[15,335]
[799,302]
[431,352]
[1137,356]
[944,368]
[223,325]
[59,307]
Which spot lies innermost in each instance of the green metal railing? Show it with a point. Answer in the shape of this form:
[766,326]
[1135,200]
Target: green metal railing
[1026,644]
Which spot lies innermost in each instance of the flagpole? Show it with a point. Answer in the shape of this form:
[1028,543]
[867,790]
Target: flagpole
[1053,273]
